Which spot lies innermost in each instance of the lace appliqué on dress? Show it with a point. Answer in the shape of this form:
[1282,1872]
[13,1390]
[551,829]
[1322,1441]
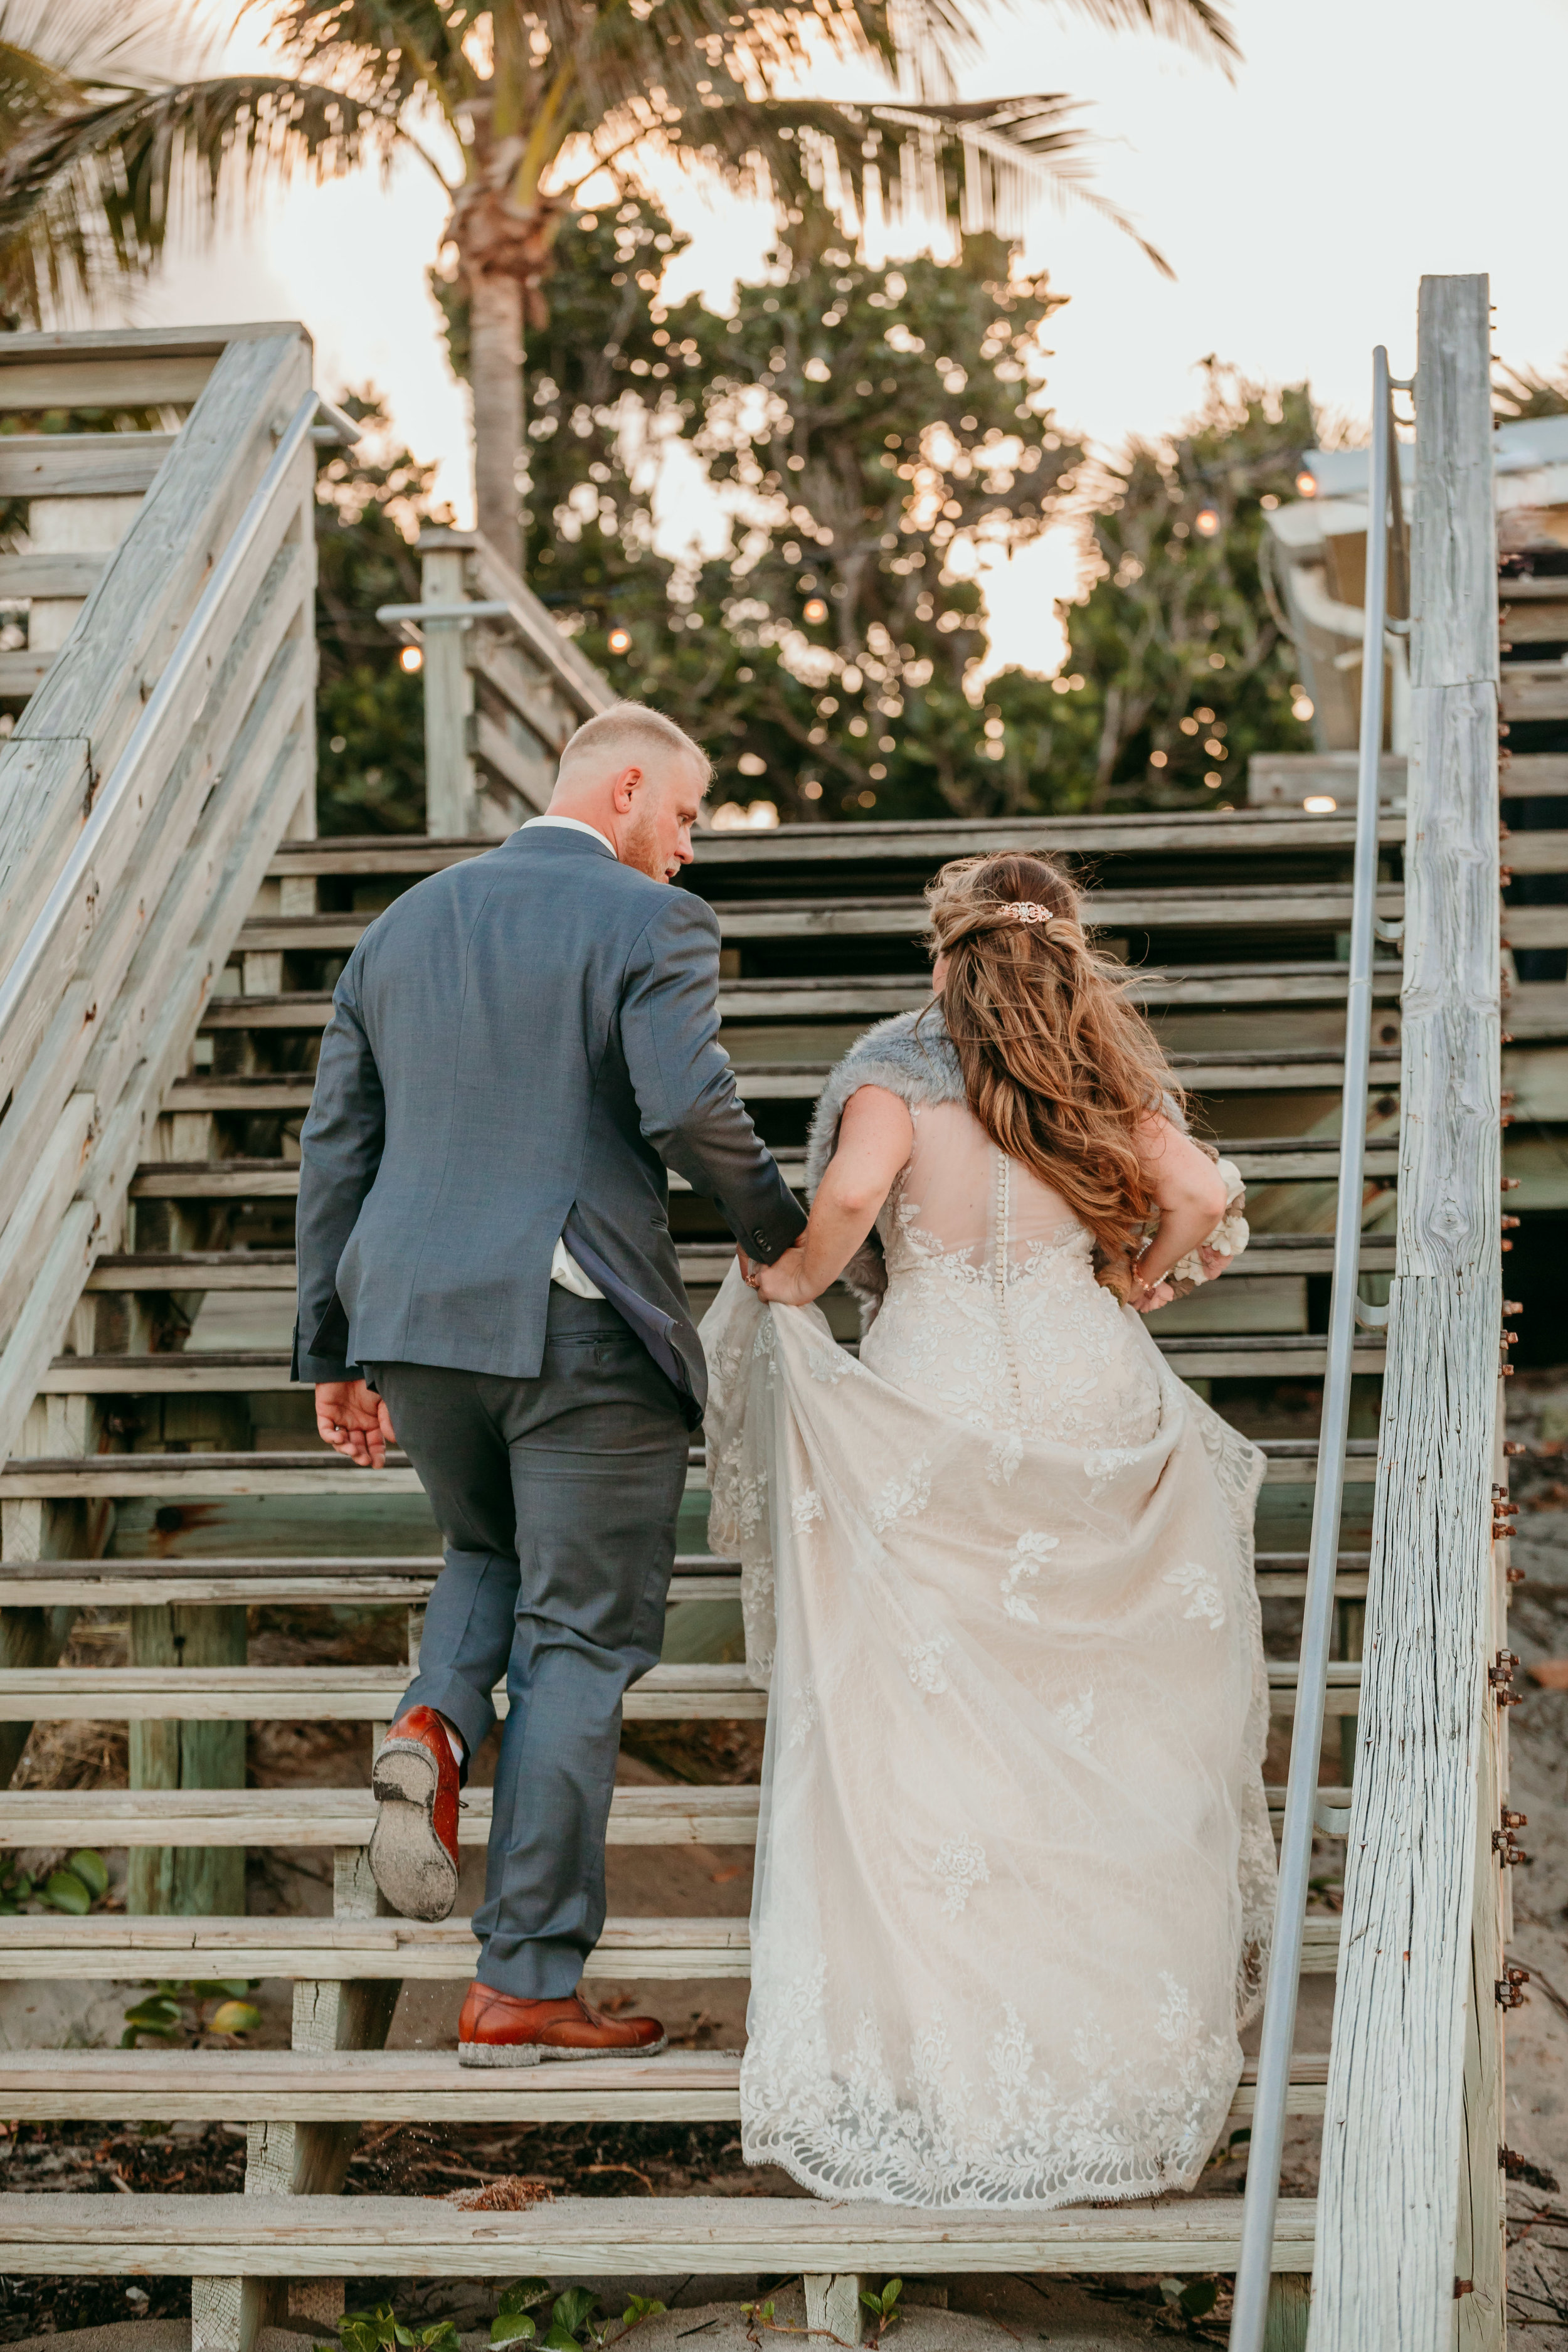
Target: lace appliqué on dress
[1202,1589]
[1028,1552]
[961,1865]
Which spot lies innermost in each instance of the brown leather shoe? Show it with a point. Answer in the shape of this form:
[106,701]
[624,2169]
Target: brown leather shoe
[414,1846]
[497,2028]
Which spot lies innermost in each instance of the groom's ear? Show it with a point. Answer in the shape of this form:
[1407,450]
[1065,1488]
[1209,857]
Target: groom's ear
[623,789]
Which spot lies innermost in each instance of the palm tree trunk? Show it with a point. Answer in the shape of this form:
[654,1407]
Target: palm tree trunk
[495,329]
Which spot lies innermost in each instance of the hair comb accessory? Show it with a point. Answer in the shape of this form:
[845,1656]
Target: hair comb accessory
[1026,910]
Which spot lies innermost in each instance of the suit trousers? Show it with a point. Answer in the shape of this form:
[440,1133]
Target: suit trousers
[557,1500]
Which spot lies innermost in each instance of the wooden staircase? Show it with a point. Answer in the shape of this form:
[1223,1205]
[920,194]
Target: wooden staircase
[158,1462]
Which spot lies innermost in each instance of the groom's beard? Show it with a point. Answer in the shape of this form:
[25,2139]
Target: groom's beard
[640,846]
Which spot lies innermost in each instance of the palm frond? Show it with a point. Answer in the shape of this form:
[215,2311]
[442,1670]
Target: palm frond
[88,197]
[1016,154]
[386,52]
[1195,24]
[100,44]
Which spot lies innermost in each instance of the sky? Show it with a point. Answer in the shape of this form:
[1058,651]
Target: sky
[1357,146]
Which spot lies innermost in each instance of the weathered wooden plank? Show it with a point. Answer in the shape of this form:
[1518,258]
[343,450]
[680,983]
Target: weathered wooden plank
[724,1815]
[334,1817]
[1537,853]
[417,2236]
[197,1693]
[79,465]
[132,896]
[99,685]
[1385,2270]
[1534,690]
[242,1269]
[873,999]
[93,381]
[208,1372]
[384,1947]
[147,1030]
[701,1262]
[1292,906]
[50,575]
[425,2085]
[563,662]
[1266,1160]
[256,1590]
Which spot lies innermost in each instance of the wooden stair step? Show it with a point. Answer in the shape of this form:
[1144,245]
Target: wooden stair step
[419,2086]
[700,1262]
[667,1693]
[872,996]
[1239,1071]
[114,1947]
[334,1817]
[1203,833]
[212,1372]
[345,1817]
[573,2237]
[1265,1160]
[1301,906]
[1288,1462]
[134,1583]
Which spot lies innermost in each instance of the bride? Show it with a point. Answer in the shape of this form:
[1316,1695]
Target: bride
[1015,1870]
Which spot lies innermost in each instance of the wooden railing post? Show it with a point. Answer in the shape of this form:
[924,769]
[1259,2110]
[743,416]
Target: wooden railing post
[448,699]
[1393,2137]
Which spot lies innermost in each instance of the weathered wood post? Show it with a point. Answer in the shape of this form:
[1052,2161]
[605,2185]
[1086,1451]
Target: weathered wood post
[1395,2136]
[448,699]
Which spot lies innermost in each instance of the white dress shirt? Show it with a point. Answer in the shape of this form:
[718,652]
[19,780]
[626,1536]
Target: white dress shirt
[564,1268]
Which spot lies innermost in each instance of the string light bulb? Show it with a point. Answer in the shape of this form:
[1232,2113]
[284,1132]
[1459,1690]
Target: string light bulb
[1306,484]
[1206,522]
[814,609]
[619,641]
[411,660]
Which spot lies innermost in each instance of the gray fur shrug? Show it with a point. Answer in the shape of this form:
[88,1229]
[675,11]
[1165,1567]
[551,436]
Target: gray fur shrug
[913,1057]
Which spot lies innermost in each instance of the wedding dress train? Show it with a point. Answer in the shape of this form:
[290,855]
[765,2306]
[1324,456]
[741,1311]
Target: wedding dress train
[1016,1871]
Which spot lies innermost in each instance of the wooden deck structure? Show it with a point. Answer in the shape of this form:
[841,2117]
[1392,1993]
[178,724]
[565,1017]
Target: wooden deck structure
[172,932]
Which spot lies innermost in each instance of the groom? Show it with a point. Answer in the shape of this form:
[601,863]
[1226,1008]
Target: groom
[518,1048]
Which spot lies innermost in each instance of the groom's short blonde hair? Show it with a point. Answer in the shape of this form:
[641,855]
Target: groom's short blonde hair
[616,736]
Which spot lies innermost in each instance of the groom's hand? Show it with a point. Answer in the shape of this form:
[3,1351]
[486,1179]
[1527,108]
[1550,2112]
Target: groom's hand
[355,1420]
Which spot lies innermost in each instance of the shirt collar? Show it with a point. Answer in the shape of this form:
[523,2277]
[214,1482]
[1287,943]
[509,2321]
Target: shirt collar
[574,825]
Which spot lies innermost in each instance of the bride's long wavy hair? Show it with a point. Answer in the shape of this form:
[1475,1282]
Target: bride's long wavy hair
[1059,1066]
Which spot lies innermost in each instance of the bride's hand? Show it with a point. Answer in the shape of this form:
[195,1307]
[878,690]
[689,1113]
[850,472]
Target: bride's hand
[783,1284]
[1145,1301]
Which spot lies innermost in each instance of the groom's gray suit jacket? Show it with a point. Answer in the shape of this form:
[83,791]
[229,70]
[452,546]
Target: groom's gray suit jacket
[518,1048]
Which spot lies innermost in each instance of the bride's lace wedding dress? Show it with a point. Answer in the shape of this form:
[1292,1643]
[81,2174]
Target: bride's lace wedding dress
[1015,1871]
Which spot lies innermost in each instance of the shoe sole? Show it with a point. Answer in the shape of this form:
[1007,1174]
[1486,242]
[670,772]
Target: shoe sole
[407,1860]
[533,2053]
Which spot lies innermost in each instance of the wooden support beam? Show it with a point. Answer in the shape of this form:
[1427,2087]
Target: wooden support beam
[1392,2153]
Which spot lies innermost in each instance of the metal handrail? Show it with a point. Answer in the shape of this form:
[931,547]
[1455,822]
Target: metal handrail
[1254,2263]
[127,769]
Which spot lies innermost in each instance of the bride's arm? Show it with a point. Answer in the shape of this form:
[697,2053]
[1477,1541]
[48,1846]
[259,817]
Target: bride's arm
[1191,1195]
[876,1136]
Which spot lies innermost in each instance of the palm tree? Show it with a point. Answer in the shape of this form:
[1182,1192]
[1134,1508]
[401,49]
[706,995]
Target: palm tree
[98,139]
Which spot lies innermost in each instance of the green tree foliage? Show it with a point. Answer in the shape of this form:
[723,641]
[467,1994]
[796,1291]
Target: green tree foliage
[370,503]
[856,422]
[1179,665]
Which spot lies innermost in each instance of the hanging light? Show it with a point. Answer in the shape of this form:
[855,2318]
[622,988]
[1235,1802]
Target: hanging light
[1306,484]
[619,641]
[411,660]
[814,609]
[1206,522]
